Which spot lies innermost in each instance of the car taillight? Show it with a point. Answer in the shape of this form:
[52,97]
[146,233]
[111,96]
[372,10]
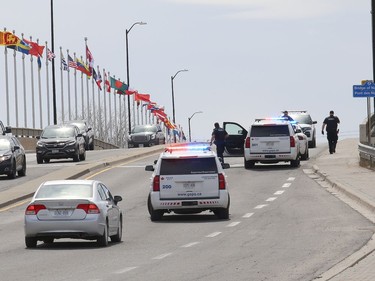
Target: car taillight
[247,142]
[89,208]
[292,142]
[156,183]
[221,181]
[34,209]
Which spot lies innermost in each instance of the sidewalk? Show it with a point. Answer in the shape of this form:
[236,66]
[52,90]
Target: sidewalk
[343,173]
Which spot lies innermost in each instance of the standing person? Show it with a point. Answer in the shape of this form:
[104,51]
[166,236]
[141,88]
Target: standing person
[218,138]
[332,130]
[286,116]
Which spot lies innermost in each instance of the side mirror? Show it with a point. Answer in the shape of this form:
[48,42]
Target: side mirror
[37,137]
[155,161]
[79,135]
[314,122]
[225,165]
[149,168]
[8,130]
[16,147]
[117,199]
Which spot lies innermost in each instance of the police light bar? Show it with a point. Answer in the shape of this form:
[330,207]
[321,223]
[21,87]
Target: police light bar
[192,146]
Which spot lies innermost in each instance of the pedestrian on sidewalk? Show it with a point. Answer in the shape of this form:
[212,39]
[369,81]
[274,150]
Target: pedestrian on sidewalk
[218,138]
[331,123]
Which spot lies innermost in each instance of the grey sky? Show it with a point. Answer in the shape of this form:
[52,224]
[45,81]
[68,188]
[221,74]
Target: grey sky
[246,58]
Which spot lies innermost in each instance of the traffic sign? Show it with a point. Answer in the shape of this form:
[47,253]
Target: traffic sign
[364,91]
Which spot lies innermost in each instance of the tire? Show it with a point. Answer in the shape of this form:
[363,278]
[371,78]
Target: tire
[22,172]
[76,157]
[306,155]
[13,172]
[39,159]
[92,145]
[48,240]
[102,241]
[31,242]
[155,215]
[295,163]
[118,236]
[82,157]
[223,213]
[249,164]
[46,160]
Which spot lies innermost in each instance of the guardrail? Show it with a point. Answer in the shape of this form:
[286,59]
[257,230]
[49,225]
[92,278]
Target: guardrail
[33,133]
[366,156]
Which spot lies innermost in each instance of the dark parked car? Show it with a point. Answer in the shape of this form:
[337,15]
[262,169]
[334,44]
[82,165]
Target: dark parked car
[12,157]
[60,141]
[146,135]
[86,132]
[4,130]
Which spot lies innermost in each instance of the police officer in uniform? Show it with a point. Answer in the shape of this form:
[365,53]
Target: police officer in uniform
[331,123]
[218,138]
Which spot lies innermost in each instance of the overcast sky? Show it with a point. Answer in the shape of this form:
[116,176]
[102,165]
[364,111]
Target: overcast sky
[246,58]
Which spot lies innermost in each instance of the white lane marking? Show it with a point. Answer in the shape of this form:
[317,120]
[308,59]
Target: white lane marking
[279,192]
[213,234]
[126,269]
[162,256]
[271,199]
[233,223]
[248,215]
[291,179]
[285,185]
[128,166]
[189,245]
[261,206]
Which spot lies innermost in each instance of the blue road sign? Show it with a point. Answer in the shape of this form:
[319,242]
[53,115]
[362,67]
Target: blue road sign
[364,91]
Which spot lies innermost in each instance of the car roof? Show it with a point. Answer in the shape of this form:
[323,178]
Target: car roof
[271,121]
[60,182]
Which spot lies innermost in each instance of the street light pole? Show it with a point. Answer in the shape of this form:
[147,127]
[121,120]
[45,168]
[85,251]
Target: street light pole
[53,70]
[172,78]
[189,123]
[127,69]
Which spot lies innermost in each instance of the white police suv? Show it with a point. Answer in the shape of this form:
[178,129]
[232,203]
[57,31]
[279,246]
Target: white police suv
[307,124]
[188,178]
[271,140]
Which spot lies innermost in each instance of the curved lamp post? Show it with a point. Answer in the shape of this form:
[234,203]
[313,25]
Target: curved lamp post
[189,123]
[172,78]
[127,69]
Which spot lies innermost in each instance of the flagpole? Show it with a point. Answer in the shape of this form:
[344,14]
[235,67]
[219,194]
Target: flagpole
[110,114]
[82,96]
[75,88]
[87,86]
[24,88]
[105,98]
[6,81]
[120,127]
[32,89]
[93,102]
[99,109]
[15,83]
[69,99]
[115,110]
[40,91]
[47,81]
[62,88]
[53,69]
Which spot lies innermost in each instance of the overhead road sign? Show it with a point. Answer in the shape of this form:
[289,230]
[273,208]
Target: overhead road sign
[366,90]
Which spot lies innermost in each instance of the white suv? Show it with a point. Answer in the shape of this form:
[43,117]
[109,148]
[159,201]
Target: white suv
[271,140]
[188,178]
[307,124]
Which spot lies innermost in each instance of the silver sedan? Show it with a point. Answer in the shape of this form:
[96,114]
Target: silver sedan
[82,209]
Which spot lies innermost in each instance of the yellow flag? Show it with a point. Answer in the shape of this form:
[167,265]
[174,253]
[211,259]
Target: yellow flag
[9,39]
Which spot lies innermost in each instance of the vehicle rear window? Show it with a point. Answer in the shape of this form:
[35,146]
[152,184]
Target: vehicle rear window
[188,166]
[65,191]
[301,118]
[269,131]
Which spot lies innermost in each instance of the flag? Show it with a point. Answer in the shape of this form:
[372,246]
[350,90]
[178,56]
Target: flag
[131,92]
[142,97]
[118,85]
[64,65]
[106,83]
[9,39]
[50,55]
[39,63]
[90,59]
[35,49]
[71,62]
[21,46]
[81,66]
[98,79]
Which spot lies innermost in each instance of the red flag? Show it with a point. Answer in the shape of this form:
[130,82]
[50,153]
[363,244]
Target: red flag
[142,97]
[130,92]
[106,83]
[90,59]
[35,50]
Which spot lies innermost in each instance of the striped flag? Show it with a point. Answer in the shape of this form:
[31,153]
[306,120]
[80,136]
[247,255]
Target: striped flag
[71,62]
[64,65]
[50,55]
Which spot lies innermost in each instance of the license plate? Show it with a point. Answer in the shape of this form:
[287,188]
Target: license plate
[189,185]
[61,213]
[269,143]
[55,151]
[141,145]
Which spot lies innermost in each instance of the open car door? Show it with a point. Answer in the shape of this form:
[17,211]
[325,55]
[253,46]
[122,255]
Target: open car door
[234,143]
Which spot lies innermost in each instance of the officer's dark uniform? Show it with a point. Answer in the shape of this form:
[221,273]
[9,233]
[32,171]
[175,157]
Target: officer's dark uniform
[219,134]
[331,128]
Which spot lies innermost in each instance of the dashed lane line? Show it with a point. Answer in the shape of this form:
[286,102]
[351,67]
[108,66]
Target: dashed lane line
[190,245]
[271,199]
[160,257]
[261,206]
[213,234]
[126,269]
[291,179]
[233,224]
[248,215]
[286,185]
[279,192]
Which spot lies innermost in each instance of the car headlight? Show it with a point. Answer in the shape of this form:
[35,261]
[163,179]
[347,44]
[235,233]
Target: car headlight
[72,142]
[40,144]
[5,157]
[153,136]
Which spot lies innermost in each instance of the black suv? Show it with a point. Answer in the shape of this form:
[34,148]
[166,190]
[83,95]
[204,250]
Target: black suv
[12,157]
[86,132]
[60,141]
[146,135]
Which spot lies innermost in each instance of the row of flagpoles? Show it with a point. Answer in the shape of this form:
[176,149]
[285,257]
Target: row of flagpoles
[95,110]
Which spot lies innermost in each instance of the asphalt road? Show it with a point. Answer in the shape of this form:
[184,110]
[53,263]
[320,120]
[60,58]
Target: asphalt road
[283,226]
